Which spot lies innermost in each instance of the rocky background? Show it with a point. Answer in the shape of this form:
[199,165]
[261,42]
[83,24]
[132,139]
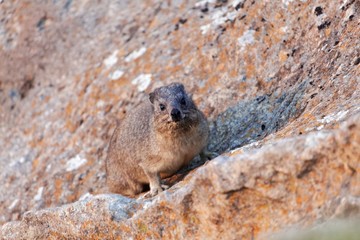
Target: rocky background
[278,81]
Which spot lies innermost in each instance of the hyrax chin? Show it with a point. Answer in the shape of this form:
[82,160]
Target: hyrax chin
[155,140]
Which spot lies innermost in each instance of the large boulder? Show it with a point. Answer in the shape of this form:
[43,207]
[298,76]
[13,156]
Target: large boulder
[276,79]
[249,193]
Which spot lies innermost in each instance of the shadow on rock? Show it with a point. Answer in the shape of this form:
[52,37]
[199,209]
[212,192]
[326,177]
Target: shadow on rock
[253,120]
[250,121]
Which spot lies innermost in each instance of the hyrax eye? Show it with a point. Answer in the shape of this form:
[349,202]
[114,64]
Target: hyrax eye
[183,101]
[162,107]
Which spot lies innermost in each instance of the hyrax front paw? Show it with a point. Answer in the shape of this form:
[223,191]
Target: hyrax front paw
[153,192]
[156,190]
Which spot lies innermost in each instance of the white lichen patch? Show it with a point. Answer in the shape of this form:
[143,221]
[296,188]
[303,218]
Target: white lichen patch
[284,29]
[22,160]
[204,29]
[312,140]
[19,161]
[100,104]
[246,39]
[287,2]
[334,117]
[85,196]
[75,163]
[230,16]
[237,2]
[48,167]
[116,74]
[319,127]
[203,3]
[13,204]
[222,15]
[219,16]
[135,54]
[247,147]
[39,193]
[142,81]
[111,60]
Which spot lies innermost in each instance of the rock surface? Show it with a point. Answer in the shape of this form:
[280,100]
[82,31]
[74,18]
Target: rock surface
[246,194]
[333,230]
[263,72]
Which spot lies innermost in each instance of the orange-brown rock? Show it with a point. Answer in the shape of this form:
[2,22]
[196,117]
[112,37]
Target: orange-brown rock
[300,180]
[264,72]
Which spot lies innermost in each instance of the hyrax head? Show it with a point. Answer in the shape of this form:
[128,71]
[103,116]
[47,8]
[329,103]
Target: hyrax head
[171,103]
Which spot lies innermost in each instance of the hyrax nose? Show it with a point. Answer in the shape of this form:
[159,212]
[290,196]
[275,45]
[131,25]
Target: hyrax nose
[175,115]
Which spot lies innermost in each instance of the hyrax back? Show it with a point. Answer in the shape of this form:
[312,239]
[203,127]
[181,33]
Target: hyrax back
[155,140]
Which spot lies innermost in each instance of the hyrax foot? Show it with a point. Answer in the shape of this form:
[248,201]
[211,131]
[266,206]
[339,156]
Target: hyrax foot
[155,183]
[153,192]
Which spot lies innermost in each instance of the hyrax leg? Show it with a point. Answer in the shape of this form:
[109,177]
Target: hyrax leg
[135,188]
[155,183]
[124,185]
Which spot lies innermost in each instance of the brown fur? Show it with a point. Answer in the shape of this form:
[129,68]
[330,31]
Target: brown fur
[151,142]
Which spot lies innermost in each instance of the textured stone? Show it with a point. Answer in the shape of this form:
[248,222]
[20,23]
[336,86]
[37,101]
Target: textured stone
[334,230]
[249,194]
[260,70]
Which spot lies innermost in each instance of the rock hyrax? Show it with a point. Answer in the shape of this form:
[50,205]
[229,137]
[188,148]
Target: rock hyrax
[155,140]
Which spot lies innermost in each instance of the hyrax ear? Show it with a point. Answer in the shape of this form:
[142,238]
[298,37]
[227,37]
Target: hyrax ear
[152,97]
[179,85]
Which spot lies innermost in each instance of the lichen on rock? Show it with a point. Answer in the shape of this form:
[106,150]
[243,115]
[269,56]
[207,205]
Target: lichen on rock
[278,81]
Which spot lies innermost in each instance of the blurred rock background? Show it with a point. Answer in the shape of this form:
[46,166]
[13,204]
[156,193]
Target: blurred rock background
[261,71]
